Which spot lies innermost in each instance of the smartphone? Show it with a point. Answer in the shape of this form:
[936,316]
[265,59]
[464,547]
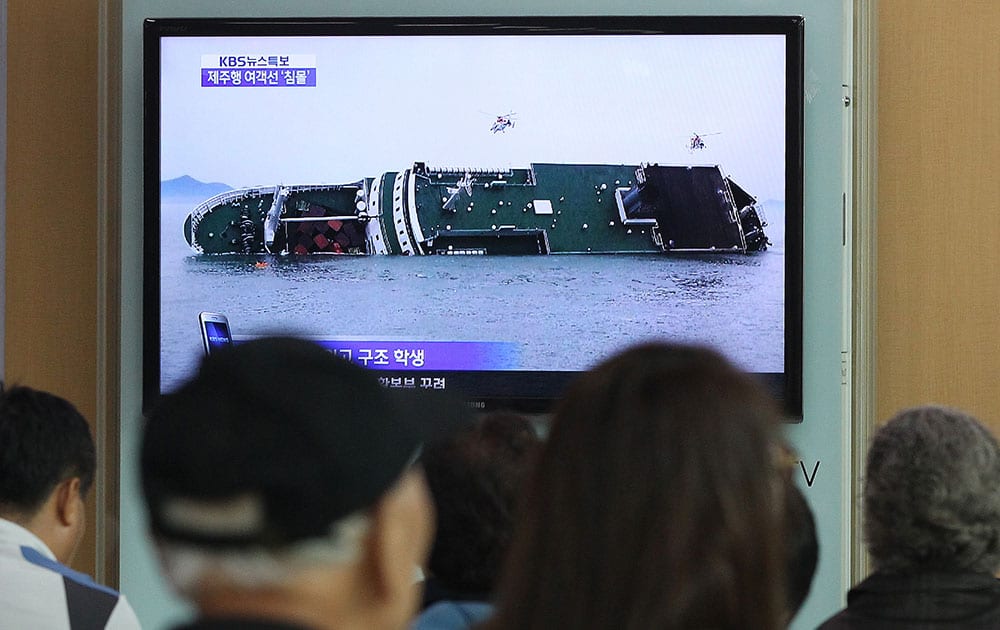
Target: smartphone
[214,331]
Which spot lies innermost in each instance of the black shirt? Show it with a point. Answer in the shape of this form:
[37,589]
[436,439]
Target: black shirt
[922,601]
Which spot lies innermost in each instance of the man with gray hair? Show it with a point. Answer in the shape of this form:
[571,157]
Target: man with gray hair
[932,526]
[283,492]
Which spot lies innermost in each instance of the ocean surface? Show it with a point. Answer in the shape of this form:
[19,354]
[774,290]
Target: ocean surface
[565,312]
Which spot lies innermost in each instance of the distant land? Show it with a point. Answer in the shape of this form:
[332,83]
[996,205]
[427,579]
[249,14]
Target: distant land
[187,187]
[774,208]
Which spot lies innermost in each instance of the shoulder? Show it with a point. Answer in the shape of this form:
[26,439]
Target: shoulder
[123,617]
[449,615]
[88,604]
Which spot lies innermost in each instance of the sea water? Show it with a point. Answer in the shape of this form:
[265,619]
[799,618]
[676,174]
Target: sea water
[564,312]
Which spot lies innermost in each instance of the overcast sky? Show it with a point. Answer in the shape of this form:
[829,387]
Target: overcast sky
[382,103]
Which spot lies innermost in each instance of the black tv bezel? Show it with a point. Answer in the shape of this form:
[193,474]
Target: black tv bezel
[531,391]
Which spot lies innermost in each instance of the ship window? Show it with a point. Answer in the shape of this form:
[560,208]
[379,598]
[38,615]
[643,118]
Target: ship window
[542,206]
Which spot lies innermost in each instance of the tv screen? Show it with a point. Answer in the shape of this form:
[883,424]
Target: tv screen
[483,205]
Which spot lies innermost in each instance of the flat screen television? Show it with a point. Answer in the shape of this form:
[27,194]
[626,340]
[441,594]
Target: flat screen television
[487,205]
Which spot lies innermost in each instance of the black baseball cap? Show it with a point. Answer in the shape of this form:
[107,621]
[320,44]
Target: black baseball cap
[276,439]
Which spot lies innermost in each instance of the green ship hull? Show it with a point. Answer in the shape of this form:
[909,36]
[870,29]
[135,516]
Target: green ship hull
[542,209]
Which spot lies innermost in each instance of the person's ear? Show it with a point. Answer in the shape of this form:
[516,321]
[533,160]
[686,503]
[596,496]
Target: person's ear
[67,520]
[69,502]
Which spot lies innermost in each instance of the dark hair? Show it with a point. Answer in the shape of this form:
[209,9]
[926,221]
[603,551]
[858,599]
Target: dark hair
[801,548]
[43,441]
[655,502]
[475,478]
[932,493]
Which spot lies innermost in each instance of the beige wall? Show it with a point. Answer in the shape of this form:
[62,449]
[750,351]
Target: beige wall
[939,205]
[51,264]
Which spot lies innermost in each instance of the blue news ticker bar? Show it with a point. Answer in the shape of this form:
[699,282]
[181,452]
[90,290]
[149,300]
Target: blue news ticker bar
[258,77]
[428,355]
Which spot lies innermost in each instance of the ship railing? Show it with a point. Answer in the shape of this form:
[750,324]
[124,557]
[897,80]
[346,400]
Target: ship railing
[499,176]
[230,195]
[345,217]
[761,215]
[484,177]
[236,194]
[307,187]
[461,170]
[361,185]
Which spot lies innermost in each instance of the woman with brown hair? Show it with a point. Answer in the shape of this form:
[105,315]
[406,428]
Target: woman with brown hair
[655,503]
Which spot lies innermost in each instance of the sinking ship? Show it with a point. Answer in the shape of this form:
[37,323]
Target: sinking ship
[542,209]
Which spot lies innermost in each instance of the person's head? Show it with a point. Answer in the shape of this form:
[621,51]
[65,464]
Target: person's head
[655,502]
[47,464]
[932,494]
[801,548]
[280,483]
[475,479]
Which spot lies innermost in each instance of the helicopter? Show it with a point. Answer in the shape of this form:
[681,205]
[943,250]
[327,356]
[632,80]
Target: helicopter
[503,122]
[697,141]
